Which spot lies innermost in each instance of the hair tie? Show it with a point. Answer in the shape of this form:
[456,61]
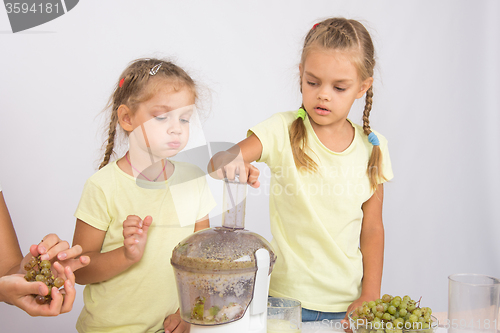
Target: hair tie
[372,137]
[301,114]
[315,26]
[121,82]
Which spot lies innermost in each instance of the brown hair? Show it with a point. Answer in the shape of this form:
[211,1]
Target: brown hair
[347,36]
[139,82]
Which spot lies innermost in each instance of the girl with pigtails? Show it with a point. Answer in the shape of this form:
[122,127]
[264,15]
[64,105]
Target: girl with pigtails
[136,209]
[327,176]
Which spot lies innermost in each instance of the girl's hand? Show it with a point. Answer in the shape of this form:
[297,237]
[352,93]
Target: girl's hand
[14,289]
[227,165]
[354,305]
[53,248]
[135,233]
[174,324]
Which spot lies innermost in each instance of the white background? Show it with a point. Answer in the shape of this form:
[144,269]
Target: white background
[436,100]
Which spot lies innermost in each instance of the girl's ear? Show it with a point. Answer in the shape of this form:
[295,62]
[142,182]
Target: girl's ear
[124,117]
[364,87]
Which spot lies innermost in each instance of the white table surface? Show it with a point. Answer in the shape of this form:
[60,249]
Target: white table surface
[335,326]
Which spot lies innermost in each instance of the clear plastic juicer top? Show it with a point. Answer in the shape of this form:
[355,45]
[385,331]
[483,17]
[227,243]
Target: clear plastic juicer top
[215,268]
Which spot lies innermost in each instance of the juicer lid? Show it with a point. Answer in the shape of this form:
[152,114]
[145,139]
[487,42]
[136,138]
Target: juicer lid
[221,249]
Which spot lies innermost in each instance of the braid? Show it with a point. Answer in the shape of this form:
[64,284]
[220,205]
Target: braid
[111,138]
[298,141]
[374,169]
[366,112]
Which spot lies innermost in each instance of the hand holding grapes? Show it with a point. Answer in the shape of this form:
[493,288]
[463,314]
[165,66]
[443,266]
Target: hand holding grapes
[51,248]
[135,234]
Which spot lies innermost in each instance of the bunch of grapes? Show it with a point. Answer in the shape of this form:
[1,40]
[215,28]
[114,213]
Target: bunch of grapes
[39,270]
[392,314]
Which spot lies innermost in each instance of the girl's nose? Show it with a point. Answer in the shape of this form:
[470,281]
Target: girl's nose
[174,127]
[324,95]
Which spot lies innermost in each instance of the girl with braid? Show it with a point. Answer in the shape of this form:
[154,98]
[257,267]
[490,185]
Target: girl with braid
[131,215]
[327,176]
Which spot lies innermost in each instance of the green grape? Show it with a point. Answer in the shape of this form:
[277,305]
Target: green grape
[411,307]
[396,302]
[58,282]
[45,264]
[30,275]
[393,314]
[40,299]
[386,298]
[27,266]
[39,270]
[33,261]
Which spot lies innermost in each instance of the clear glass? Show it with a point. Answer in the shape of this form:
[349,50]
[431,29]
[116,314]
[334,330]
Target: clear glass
[473,302]
[215,268]
[284,315]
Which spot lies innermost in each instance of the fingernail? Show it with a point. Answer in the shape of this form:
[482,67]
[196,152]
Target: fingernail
[44,257]
[62,256]
[137,241]
[55,291]
[139,231]
[40,290]
[42,249]
[70,285]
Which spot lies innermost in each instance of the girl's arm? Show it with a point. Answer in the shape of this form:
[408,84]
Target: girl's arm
[226,164]
[9,246]
[104,266]
[372,248]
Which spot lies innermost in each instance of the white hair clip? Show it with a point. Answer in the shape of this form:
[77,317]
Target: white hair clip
[155,69]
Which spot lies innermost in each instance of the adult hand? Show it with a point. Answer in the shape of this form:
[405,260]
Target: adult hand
[15,290]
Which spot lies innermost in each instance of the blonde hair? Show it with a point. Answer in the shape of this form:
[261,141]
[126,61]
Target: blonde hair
[351,37]
[139,82]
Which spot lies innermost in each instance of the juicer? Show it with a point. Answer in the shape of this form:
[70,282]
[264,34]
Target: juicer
[223,273]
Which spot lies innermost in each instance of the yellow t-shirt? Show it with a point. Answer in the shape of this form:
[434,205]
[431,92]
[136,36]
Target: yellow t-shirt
[316,218]
[140,298]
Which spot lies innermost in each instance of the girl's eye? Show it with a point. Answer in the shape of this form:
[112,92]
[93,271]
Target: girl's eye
[339,89]
[185,121]
[311,83]
[161,118]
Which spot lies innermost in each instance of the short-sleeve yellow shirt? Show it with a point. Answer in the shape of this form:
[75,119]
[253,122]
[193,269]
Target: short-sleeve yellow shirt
[140,298]
[316,217]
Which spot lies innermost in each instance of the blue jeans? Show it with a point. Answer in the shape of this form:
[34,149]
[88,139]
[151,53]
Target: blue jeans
[313,315]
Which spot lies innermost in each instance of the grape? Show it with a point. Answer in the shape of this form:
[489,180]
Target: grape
[393,315]
[39,270]
[58,282]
